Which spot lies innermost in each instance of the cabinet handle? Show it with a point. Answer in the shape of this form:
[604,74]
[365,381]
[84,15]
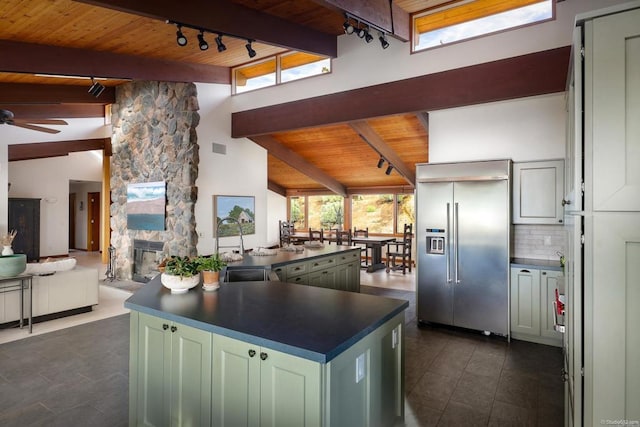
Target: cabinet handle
[525,271]
[252,353]
[263,356]
[174,328]
[566,202]
[165,326]
[544,273]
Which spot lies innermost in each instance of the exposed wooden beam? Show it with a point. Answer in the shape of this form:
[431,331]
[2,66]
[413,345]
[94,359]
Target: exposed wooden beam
[370,136]
[278,189]
[381,13]
[528,75]
[29,93]
[297,162]
[44,150]
[54,111]
[230,18]
[21,57]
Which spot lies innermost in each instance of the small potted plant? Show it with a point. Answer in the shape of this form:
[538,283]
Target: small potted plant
[210,266]
[180,274]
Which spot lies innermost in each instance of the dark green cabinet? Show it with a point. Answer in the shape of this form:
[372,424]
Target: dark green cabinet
[24,217]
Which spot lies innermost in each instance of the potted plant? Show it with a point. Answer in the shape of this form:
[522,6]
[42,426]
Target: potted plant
[210,266]
[180,274]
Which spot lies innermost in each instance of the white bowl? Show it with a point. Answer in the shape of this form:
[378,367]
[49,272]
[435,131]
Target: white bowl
[177,284]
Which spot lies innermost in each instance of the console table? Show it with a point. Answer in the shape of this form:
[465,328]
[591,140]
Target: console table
[8,284]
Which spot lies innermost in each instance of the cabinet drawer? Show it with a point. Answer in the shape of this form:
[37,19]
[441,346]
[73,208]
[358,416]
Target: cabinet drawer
[300,280]
[296,269]
[322,263]
[348,257]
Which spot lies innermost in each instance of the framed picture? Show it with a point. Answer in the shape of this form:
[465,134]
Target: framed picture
[233,213]
[146,205]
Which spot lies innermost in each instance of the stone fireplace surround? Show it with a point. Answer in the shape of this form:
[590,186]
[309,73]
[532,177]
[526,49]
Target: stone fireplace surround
[154,139]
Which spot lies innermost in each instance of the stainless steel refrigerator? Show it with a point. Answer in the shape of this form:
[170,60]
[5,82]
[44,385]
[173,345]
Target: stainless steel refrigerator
[463,213]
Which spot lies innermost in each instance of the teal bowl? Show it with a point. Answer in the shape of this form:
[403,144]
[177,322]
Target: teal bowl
[12,265]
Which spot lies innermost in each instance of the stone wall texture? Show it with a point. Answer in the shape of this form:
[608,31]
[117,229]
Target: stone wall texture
[154,139]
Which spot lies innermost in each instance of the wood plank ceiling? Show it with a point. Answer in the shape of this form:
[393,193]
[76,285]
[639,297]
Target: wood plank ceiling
[130,40]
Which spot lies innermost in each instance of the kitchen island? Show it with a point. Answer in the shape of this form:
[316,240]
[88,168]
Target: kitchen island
[328,266]
[265,353]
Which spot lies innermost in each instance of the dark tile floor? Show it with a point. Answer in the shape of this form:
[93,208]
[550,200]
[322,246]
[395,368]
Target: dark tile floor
[79,377]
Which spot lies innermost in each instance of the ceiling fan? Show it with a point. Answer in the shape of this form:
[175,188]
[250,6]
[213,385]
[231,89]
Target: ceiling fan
[6,117]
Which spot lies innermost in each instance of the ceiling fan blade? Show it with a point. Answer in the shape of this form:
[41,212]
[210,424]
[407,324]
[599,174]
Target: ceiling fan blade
[33,127]
[41,121]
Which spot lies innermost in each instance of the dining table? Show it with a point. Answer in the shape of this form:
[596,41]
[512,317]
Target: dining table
[375,243]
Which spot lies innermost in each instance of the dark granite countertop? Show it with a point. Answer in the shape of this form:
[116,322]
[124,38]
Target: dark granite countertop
[285,257]
[538,264]
[310,322]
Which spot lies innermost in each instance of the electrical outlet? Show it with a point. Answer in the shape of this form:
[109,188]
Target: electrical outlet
[360,368]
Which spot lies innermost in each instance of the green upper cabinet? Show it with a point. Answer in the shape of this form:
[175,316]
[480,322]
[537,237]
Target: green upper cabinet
[171,382]
[538,191]
[256,386]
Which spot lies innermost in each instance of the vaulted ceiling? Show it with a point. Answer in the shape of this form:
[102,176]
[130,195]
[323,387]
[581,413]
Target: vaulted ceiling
[126,40]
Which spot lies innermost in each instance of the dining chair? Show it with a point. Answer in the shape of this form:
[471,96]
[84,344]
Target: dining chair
[343,237]
[399,252]
[316,235]
[362,232]
[286,230]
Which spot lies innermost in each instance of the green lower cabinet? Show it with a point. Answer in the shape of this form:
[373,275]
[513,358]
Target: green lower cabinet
[323,278]
[348,277]
[170,380]
[256,386]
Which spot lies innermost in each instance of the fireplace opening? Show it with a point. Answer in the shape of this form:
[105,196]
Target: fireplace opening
[147,255]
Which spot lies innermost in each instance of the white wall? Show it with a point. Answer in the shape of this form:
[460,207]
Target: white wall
[48,179]
[240,172]
[360,64]
[276,211]
[525,129]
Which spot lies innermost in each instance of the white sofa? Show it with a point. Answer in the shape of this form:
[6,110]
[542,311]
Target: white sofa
[65,290]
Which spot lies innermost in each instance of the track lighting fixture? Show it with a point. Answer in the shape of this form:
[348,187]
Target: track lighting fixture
[389,169]
[221,46]
[368,37]
[383,42]
[96,88]
[348,28]
[250,50]
[380,162]
[361,32]
[180,38]
[202,42]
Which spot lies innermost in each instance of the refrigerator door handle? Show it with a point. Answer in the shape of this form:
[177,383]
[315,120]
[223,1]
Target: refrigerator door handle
[448,244]
[455,241]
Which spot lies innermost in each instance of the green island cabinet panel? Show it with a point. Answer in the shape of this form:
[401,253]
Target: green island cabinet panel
[256,386]
[170,381]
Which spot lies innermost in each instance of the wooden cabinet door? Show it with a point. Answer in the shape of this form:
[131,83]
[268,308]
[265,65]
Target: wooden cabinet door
[538,190]
[525,301]
[236,383]
[612,133]
[190,376]
[290,390]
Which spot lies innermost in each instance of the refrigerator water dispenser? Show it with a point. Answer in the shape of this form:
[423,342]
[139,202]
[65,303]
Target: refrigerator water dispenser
[435,241]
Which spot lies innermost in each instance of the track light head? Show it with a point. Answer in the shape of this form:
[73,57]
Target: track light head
[348,28]
[250,50]
[221,46]
[180,38]
[380,162]
[96,88]
[368,37]
[383,41]
[202,42]
[389,169]
[361,32]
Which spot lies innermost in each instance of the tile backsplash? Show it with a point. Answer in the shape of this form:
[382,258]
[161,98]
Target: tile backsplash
[537,241]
